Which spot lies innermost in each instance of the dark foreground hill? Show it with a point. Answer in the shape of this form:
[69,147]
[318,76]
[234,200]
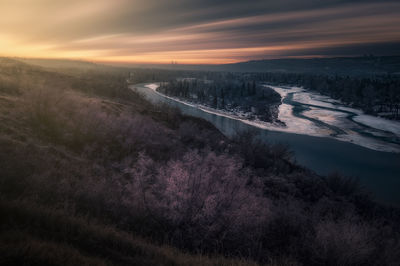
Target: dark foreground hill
[93,174]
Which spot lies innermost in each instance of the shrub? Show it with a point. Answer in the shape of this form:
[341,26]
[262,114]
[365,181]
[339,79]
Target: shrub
[343,186]
[345,242]
[207,200]
[261,155]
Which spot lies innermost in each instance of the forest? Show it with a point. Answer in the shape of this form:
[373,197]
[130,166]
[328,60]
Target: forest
[238,96]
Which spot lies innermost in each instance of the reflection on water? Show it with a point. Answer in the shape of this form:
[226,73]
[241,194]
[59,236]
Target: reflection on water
[378,171]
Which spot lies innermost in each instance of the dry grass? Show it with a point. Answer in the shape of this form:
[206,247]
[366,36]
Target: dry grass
[43,236]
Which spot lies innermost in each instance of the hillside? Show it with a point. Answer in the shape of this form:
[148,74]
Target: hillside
[347,66]
[93,174]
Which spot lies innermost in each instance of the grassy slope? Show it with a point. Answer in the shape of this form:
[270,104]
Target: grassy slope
[35,235]
[32,233]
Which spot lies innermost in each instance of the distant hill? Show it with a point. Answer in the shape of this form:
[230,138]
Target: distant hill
[342,65]
[352,66]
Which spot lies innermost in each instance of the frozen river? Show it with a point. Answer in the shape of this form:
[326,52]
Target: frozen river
[324,135]
[313,114]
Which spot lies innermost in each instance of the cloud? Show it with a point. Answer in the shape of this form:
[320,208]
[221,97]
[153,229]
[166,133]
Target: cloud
[218,31]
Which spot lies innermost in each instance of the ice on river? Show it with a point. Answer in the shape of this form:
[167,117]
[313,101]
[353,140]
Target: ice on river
[379,123]
[326,117]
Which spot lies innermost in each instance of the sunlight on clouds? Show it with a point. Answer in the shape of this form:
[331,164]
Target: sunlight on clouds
[11,46]
[145,31]
[215,56]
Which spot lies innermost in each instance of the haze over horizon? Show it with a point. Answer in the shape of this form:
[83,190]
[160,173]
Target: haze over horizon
[197,32]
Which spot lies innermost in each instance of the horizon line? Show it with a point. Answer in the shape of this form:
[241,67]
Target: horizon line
[176,62]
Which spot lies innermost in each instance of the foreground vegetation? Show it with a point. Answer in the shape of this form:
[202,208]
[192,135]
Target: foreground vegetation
[93,174]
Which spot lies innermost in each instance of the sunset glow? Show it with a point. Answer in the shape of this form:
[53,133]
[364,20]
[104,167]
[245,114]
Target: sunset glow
[196,32]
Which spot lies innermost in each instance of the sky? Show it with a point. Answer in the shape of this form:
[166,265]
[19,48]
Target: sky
[197,31]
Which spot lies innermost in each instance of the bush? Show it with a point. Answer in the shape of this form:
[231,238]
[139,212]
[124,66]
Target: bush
[344,242]
[260,155]
[343,186]
[206,199]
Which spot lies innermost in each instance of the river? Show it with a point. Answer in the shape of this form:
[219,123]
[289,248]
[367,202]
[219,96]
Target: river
[342,139]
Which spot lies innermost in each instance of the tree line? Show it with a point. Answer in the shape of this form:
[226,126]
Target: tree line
[236,95]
